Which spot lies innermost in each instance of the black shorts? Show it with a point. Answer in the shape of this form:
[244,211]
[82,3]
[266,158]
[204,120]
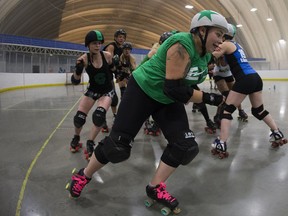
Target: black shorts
[248,84]
[227,79]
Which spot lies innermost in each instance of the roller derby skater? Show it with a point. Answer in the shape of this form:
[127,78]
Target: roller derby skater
[145,97]
[242,116]
[75,145]
[211,127]
[97,64]
[247,83]
[277,139]
[151,128]
[89,149]
[78,182]
[159,195]
[219,148]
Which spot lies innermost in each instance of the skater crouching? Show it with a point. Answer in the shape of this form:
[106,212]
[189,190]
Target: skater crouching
[160,87]
[247,82]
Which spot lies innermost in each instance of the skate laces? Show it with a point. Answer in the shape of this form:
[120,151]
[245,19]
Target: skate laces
[276,135]
[219,145]
[163,194]
[81,181]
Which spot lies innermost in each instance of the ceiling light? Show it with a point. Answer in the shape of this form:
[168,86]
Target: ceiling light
[269,19]
[282,41]
[188,6]
[239,25]
[253,9]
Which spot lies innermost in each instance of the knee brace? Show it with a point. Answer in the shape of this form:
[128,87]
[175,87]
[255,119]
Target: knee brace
[114,100]
[181,151]
[228,108]
[99,116]
[114,148]
[259,112]
[79,119]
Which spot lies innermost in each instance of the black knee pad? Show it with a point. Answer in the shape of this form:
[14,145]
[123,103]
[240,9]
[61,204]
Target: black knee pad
[114,100]
[79,119]
[256,112]
[228,108]
[181,151]
[114,148]
[99,116]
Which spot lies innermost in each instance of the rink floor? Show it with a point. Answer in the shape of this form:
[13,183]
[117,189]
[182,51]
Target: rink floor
[37,127]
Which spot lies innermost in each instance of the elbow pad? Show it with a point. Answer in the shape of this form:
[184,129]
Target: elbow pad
[79,68]
[177,90]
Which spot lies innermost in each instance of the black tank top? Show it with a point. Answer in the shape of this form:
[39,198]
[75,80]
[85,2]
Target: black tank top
[99,78]
[117,50]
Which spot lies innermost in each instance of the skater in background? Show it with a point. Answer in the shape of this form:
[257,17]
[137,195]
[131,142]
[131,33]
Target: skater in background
[211,65]
[225,81]
[202,108]
[97,65]
[247,83]
[161,87]
[127,66]
[115,48]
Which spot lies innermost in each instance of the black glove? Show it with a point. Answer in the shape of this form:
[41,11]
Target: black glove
[212,98]
[79,68]
[75,81]
[116,60]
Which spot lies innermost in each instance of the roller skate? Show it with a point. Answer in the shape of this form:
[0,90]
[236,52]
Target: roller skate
[75,145]
[277,138]
[195,108]
[219,148]
[89,149]
[154,130]
[79,180]
[242,116]
[211,127]
[147,126]
[105,128]
[217,121]
[162,197]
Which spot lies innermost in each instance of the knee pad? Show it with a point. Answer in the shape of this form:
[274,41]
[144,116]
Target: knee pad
[99,116]
[114,148]
[79,119]
[228,108]
[114,100]
[259,112]
[181,151]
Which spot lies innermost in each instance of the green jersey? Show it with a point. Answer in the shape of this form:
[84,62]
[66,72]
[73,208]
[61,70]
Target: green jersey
[151,75]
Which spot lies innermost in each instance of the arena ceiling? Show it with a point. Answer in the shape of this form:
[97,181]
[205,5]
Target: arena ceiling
[145,20]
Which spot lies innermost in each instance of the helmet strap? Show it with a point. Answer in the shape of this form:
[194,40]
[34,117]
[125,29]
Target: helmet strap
[203,40]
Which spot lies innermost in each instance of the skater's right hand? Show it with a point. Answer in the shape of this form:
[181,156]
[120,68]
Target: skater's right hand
[213,99]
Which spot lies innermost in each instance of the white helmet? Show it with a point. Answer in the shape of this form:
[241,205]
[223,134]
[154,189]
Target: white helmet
[231,30]
[209,18]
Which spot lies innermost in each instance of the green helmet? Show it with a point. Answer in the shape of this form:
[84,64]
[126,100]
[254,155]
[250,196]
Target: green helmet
[231,30]
[94,36]
[209,18]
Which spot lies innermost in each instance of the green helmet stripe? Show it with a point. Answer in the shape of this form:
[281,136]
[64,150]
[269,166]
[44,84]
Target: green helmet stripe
[99,35]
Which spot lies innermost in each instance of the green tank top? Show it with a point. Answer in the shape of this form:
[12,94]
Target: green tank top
[150,76]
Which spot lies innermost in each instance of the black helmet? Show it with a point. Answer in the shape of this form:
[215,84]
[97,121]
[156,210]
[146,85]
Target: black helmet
[120,32]
[127,45]
[164,36]
[94,36]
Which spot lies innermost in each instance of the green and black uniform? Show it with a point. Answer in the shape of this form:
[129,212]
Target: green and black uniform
[144,96]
